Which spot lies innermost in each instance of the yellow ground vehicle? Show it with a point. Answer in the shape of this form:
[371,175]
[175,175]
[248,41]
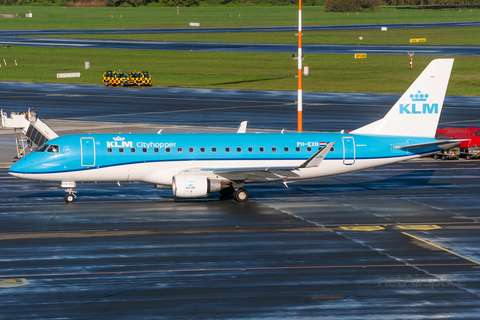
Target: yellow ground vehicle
[141,78]
[107,75]
[116,79]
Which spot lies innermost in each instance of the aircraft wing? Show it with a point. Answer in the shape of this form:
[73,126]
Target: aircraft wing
[268,173]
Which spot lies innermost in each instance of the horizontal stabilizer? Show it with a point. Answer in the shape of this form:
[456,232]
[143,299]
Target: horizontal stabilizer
[444,144]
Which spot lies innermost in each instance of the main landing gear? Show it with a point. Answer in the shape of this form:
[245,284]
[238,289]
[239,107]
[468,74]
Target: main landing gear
[240,195]
[70,197]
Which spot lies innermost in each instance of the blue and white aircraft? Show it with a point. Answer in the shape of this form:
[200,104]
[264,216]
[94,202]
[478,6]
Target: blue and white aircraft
[193,165]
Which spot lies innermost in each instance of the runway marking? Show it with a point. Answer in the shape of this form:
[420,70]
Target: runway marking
[92,230]
[242,269]
[363,228]
[438,247]
[419,227]
[11,283]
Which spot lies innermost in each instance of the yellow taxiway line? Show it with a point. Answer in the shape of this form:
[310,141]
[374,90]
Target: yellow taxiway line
[438,247]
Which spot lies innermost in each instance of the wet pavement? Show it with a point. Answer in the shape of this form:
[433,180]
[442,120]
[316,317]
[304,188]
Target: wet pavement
[245,29]
[242,47]
[323,111]
[395,242]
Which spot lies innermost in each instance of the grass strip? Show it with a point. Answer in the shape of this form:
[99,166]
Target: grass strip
[155,17]
[255,71]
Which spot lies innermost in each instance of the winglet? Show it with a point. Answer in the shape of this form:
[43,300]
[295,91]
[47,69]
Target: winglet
[242,128]
[317,158]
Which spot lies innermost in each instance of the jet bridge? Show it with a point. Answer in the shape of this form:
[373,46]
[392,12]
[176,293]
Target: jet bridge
[30,131]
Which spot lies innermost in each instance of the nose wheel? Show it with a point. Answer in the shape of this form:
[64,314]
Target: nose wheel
[70,197]
[241,195]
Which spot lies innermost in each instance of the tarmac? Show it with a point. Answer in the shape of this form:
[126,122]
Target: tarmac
[394,242]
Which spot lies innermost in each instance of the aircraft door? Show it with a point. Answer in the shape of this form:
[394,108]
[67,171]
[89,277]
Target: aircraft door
[88,152]
[348,151]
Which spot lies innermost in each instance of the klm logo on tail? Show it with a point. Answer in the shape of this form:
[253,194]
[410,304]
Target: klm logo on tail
[419,108]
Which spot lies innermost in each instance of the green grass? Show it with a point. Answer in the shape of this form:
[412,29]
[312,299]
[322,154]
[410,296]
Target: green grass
[256,71]
[154,17]
[434,36]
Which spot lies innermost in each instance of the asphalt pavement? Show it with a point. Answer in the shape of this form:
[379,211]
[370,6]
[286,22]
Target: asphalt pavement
[395,242]
[241,47]
[244,29]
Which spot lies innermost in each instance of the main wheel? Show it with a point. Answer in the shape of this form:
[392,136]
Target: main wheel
[122,84]
[227,192]
[69,198]
[139,84]
[105,83]
[241,195]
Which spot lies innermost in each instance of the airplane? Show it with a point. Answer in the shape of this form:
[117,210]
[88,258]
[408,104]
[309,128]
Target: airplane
[194,165]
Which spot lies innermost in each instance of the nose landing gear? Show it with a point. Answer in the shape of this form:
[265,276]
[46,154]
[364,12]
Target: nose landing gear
[70,197]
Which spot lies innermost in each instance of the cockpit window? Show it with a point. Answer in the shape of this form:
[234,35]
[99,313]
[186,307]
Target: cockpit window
[53,149]
[43,148]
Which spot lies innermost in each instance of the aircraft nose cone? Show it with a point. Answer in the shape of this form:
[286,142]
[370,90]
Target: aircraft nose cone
[20,167]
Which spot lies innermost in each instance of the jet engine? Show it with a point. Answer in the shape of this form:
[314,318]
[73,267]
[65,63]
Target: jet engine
[187,185]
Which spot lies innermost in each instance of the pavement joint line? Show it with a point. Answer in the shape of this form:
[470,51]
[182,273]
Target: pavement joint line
[238,269]
[438,247]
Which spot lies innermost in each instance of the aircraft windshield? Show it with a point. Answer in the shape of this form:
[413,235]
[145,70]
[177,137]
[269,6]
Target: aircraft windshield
[43,148]
[53,149]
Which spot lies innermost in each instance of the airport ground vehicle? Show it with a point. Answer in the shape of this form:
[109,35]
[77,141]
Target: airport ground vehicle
[116,79]
[469,147]
[140,78]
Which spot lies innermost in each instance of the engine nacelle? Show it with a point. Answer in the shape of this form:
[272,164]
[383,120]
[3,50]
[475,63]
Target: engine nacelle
[185,185]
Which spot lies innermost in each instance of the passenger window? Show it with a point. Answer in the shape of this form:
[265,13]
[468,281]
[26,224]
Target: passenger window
[155,150]
[43,148]
[132,150]
[309,149]
[202,149]
[227,149]
[239,149]
[286,149]
[179,149]
[214,149]
[262,149]
[190,149]
[120,150]
[167,149]
[109,150]
[53,149]
[320,148]
[274,149]
[332,149]
[144,149]
[250,149]
[297,149]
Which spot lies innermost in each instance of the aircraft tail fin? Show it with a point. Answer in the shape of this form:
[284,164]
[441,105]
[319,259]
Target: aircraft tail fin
[417,112]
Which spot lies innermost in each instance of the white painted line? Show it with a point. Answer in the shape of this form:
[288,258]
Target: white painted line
[47,44]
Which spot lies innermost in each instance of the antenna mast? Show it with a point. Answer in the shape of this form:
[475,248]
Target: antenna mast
[299,100]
